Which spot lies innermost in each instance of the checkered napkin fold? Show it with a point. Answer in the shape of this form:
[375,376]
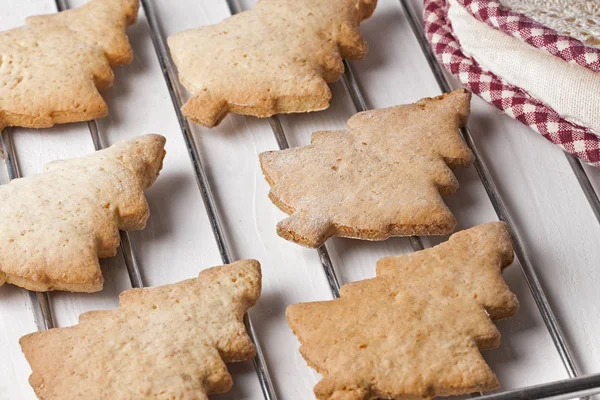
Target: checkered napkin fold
[548,80]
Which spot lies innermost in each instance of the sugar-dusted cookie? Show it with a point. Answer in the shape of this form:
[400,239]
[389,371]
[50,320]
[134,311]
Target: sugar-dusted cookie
[276,58]
[55,225]
[167,342]
[52,68]
[415,330]
[381,177]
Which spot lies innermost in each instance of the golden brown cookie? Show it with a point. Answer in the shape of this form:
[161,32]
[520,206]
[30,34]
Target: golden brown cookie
[52,68]
[276,58]
[415,330]
[167,342]
[381,177]
[56,225]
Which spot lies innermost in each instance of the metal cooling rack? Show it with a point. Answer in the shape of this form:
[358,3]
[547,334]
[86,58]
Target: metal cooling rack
[575,386]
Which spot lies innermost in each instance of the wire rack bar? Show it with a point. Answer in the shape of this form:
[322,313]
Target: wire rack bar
[490,187]
[40,301]
[360,104]
[586,185]
[160,48]
[579,387]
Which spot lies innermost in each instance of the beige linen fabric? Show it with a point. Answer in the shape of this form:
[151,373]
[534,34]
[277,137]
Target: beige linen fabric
[572,90]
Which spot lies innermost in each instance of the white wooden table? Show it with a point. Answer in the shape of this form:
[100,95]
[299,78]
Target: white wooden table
[534,178]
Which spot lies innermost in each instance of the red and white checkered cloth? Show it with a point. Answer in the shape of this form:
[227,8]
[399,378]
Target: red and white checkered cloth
[514,101]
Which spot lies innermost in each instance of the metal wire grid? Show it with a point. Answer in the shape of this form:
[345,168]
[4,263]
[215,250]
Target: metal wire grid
[564,389]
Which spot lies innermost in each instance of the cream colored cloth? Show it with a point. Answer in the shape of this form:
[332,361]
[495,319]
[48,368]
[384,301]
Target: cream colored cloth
[576,18]
[571,90]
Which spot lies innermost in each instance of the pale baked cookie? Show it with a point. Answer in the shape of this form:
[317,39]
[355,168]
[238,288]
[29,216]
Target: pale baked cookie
[167,342]
[52,68]
[276,58]
[55,225]
[383,176]
[415,330]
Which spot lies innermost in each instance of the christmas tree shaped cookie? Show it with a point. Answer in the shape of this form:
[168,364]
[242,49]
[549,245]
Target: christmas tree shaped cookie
[382,176]
[52,68]
[276,58]
[415,330]
[167,342]
[56,224]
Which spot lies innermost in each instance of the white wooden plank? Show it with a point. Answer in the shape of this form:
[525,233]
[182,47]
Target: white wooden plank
[14,14]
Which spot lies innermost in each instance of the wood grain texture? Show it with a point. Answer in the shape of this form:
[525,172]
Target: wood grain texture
[535,180]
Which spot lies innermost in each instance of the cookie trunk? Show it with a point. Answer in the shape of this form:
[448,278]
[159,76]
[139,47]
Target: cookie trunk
[302,228]
[205,110]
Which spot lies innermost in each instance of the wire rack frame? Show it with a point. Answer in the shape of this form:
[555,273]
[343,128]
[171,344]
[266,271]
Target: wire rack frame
[564,389]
